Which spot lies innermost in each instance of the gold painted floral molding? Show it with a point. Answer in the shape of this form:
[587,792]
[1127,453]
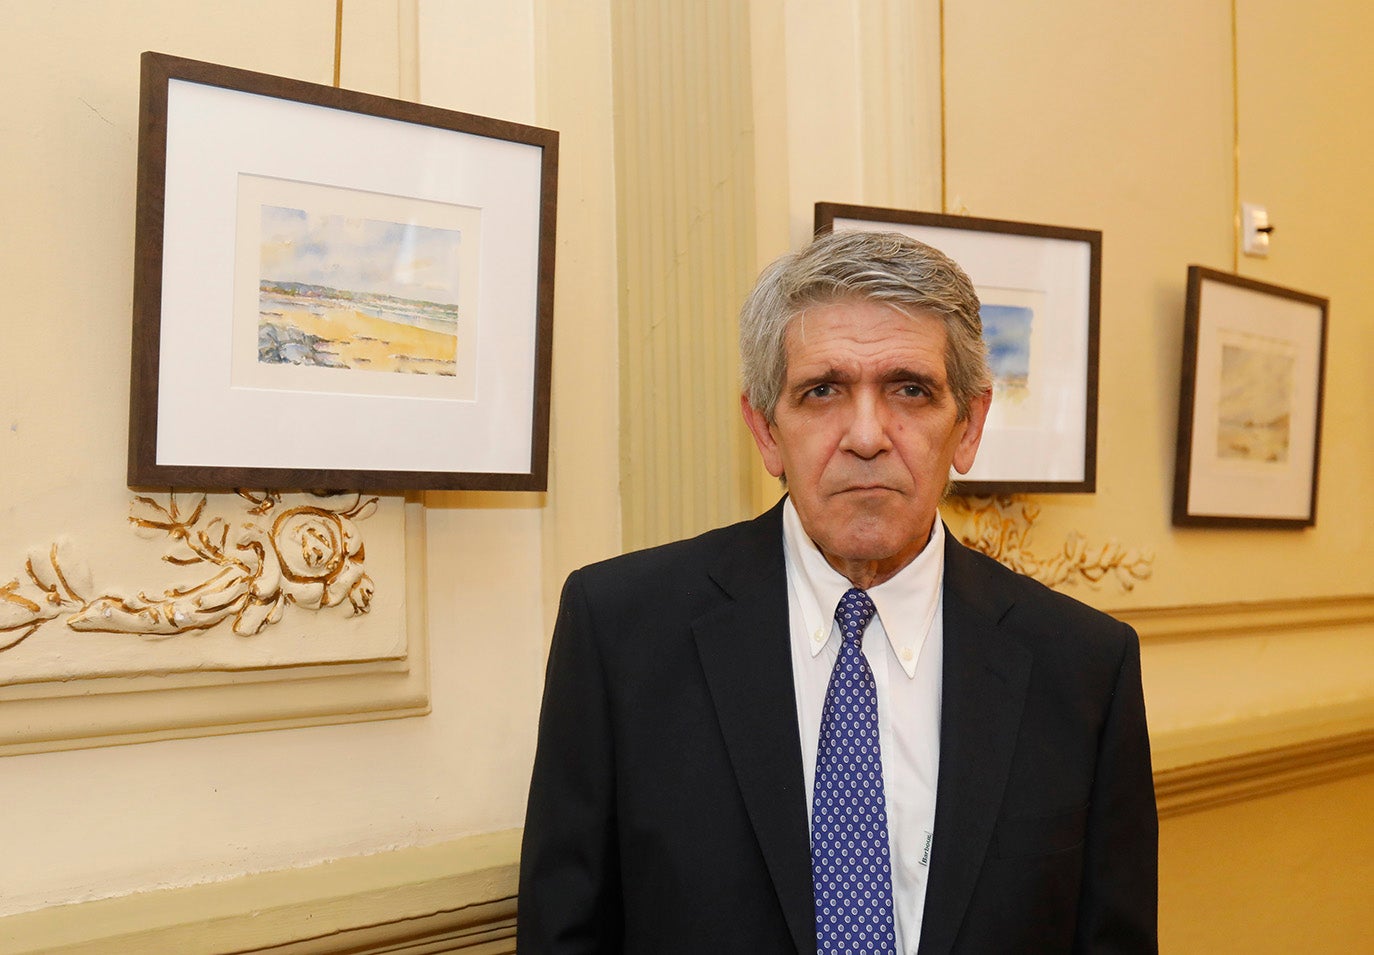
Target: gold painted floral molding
[310,556]
[1000,527]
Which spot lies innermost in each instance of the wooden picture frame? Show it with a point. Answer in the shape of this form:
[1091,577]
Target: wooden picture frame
[1041,291]
[336,290]
[1250,404]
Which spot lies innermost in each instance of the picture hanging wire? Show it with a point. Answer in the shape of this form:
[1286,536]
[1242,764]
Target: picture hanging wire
[338,39]
[1235,142]
[944,203]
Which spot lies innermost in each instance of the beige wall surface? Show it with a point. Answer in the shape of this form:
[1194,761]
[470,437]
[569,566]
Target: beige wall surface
[1285,873]
[1068,112]
[93,823]
[1073,113]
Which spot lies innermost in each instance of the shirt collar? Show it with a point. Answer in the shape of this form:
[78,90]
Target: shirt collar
[907,603]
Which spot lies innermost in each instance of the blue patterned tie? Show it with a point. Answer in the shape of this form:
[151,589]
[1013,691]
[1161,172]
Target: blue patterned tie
[850,866]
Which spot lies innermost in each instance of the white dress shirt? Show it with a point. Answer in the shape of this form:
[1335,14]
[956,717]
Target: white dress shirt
[904,645]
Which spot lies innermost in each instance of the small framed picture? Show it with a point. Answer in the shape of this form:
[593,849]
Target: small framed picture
[1250,404]
[336,290]
[1040,289]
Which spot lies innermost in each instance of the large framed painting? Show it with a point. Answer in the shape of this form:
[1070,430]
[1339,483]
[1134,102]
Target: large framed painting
[336,290]
[1040,293]
[1250,404]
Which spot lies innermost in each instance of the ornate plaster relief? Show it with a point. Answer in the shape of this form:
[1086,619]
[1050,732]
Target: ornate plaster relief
[1001,528]
[310,556]
[257,610]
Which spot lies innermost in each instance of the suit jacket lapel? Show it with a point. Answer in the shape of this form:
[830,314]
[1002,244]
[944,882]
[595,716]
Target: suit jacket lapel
[745,654]
[985,678]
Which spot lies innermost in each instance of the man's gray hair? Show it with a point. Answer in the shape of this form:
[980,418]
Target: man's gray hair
[884,267]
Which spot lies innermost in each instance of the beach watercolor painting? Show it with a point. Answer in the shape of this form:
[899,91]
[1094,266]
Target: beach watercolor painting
[357,293]
[1007,331]
[1255,404]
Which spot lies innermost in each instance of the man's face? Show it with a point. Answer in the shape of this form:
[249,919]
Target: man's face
[865,432]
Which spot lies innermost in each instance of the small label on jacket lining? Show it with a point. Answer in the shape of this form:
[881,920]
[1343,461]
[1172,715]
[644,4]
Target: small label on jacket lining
[925,855]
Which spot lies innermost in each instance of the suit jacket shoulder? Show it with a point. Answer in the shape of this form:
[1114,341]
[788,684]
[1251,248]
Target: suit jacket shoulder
[1042,619]
[686,578]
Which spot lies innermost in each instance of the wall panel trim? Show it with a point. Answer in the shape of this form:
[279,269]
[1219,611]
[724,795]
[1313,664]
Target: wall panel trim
[1251,775]
[461,896]
[455,897]
[1249,617]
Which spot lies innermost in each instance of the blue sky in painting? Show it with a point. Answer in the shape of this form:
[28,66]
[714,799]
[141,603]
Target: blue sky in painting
[1007,330]
[360,255]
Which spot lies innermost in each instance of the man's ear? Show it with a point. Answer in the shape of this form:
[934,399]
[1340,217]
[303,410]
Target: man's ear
[764,438]
[967,448]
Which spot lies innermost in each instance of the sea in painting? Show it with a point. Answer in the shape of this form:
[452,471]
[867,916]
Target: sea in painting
[1254,407]
[355,293]
[1007,331]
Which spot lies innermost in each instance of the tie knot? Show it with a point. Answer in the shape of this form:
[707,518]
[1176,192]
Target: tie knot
[854,611]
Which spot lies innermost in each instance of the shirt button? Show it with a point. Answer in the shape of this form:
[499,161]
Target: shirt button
[906,653]
[818,636]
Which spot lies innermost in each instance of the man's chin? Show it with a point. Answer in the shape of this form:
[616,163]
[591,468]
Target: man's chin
[882,507]
[875,548]
[882,533]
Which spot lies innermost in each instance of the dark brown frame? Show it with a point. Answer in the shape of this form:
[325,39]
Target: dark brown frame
[828,212]
[143,470]
[1183,468]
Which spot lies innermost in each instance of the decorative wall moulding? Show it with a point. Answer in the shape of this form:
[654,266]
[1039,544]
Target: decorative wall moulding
[309,555]
[275,616]
[1206,621]
[1040,288]
[336,290]
[456,896]
[1245,776]
[1250,404]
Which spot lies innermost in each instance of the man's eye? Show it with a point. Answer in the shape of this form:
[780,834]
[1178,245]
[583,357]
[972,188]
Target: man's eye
[913,391]
[821,391]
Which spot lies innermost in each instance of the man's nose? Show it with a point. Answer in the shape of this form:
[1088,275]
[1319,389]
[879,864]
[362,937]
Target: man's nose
[867,431]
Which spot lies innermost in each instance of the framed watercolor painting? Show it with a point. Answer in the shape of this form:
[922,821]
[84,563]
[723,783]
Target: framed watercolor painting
[336,290]
[1040,289]
[1250,404]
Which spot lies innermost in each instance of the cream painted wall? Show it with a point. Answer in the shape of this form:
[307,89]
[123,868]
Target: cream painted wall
[1071,112]
[93,823]
[1074,114]
[1272,876]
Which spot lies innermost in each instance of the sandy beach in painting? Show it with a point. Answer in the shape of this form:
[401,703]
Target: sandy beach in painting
[1254,441]
[333,334]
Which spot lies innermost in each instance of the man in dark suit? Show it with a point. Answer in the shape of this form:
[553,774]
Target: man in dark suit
[833,728]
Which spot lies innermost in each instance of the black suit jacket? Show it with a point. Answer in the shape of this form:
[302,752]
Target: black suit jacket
[667,811]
